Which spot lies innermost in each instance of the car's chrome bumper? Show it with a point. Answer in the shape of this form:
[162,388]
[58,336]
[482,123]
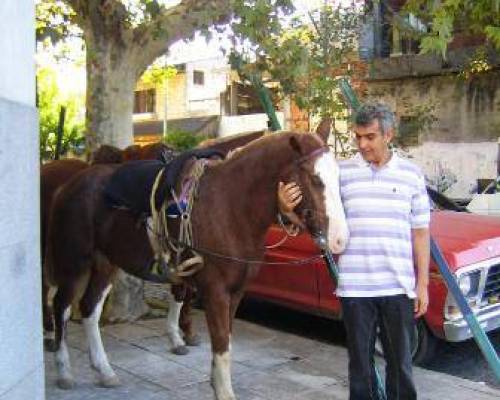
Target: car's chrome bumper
[458,330]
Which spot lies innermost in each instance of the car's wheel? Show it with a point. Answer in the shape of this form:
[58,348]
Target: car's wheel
[423,346]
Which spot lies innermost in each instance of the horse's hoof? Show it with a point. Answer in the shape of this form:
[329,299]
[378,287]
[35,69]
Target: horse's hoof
[65,383]
[109,381]
[180,350]
[194,340]
[49,345]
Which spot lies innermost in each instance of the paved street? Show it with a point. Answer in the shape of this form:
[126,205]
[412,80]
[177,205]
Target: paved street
[267,364]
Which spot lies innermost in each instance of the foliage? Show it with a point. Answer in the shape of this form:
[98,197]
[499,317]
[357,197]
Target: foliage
[54,21]
[306,57]
[476,64]
[448,17]
[183,140]
[50,101]
[157,74]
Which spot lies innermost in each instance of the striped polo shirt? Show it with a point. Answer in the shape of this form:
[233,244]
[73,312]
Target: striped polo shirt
[382,206]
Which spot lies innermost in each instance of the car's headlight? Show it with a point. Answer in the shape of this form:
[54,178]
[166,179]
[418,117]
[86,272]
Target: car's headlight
[469,284]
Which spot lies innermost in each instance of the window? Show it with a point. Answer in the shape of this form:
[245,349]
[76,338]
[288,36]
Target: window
[198,77]
[145,101]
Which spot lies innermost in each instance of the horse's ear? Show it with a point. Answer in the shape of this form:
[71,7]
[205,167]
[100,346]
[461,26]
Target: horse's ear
[323,129]
[294,143]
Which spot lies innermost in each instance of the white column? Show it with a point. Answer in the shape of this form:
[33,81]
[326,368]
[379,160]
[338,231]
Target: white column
[21,351]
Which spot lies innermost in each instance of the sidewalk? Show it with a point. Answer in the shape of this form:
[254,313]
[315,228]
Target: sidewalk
[267,365]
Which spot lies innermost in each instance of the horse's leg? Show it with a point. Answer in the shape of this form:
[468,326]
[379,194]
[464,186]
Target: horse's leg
[217,312]
[235,302]
[62,312]
[48,317]
[91,306]
[175,302]
[185,320]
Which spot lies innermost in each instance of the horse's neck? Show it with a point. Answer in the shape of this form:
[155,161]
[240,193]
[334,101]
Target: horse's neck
[251,181]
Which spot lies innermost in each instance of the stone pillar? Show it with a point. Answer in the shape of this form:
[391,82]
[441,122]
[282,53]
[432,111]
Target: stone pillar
[21,344]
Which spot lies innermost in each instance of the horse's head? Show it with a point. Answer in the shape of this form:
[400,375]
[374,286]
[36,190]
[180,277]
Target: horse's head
[320,211]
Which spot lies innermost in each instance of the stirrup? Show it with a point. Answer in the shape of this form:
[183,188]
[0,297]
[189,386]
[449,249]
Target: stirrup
[160,272]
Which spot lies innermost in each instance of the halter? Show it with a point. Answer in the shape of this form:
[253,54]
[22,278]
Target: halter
[313,154]
[294,218]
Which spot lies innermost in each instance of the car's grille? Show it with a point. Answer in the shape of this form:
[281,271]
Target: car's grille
[492,287]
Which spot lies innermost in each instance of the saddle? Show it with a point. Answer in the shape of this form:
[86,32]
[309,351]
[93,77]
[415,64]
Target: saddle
[130,185]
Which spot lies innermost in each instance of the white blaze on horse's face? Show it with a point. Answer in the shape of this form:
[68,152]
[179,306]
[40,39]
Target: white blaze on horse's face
[327,169]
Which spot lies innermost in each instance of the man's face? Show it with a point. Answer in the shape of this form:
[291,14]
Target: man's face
[372,143]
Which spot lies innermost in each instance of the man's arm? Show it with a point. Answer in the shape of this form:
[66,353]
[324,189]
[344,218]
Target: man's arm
[421,252]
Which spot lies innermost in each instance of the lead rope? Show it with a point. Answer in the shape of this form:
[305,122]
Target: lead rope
[293,231]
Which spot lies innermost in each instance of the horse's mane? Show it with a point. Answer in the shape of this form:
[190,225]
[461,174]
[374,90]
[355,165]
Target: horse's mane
[269,141]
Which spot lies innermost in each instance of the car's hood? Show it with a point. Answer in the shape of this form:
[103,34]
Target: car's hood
[466,238]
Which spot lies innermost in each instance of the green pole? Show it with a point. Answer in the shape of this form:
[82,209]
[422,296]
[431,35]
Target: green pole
[262,91]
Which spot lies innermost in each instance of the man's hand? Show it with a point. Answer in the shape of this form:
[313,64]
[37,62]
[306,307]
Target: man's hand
[421,301]
[289,196]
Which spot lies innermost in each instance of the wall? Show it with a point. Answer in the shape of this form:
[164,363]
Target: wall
[463,138]
[206,99]
[21,360]
[458,164]
[234,124]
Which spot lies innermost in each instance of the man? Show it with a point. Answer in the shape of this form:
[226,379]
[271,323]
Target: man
[383,272]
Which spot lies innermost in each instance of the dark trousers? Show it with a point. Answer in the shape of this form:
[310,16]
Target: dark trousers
[394,316]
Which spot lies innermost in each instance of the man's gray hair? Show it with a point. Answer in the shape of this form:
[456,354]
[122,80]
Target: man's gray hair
[370,112]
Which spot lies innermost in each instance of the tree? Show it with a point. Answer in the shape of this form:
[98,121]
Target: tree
[123,38]
[309,58]
[50,100]
[447,17]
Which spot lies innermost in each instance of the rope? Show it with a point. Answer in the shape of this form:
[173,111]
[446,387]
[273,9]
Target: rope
[210,253]
[163,245]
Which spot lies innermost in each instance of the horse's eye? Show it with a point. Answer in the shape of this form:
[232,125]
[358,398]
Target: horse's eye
[316,180]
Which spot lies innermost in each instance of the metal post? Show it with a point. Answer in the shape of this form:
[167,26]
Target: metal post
[60,133]
[165,108]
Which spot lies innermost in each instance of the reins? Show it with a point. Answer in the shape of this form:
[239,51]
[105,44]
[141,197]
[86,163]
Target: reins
[165,243]
[211,253]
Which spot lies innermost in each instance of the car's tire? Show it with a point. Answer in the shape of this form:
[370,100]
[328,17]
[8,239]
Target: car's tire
[423,347]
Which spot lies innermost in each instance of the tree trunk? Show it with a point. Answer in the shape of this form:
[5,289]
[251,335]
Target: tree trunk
[111,79]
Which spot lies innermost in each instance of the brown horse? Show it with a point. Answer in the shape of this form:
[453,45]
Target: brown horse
[235,205]
[55,174]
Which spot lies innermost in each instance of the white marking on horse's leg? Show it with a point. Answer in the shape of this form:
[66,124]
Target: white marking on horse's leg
[50,335]
[65,377]
[338,234]
[173,331]
[221,376]
[51,294]
[98,358]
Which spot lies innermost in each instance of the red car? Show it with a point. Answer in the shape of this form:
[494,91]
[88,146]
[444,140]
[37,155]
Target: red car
[470,244]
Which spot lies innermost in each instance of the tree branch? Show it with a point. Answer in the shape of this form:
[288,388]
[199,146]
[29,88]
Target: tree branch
[153,38]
